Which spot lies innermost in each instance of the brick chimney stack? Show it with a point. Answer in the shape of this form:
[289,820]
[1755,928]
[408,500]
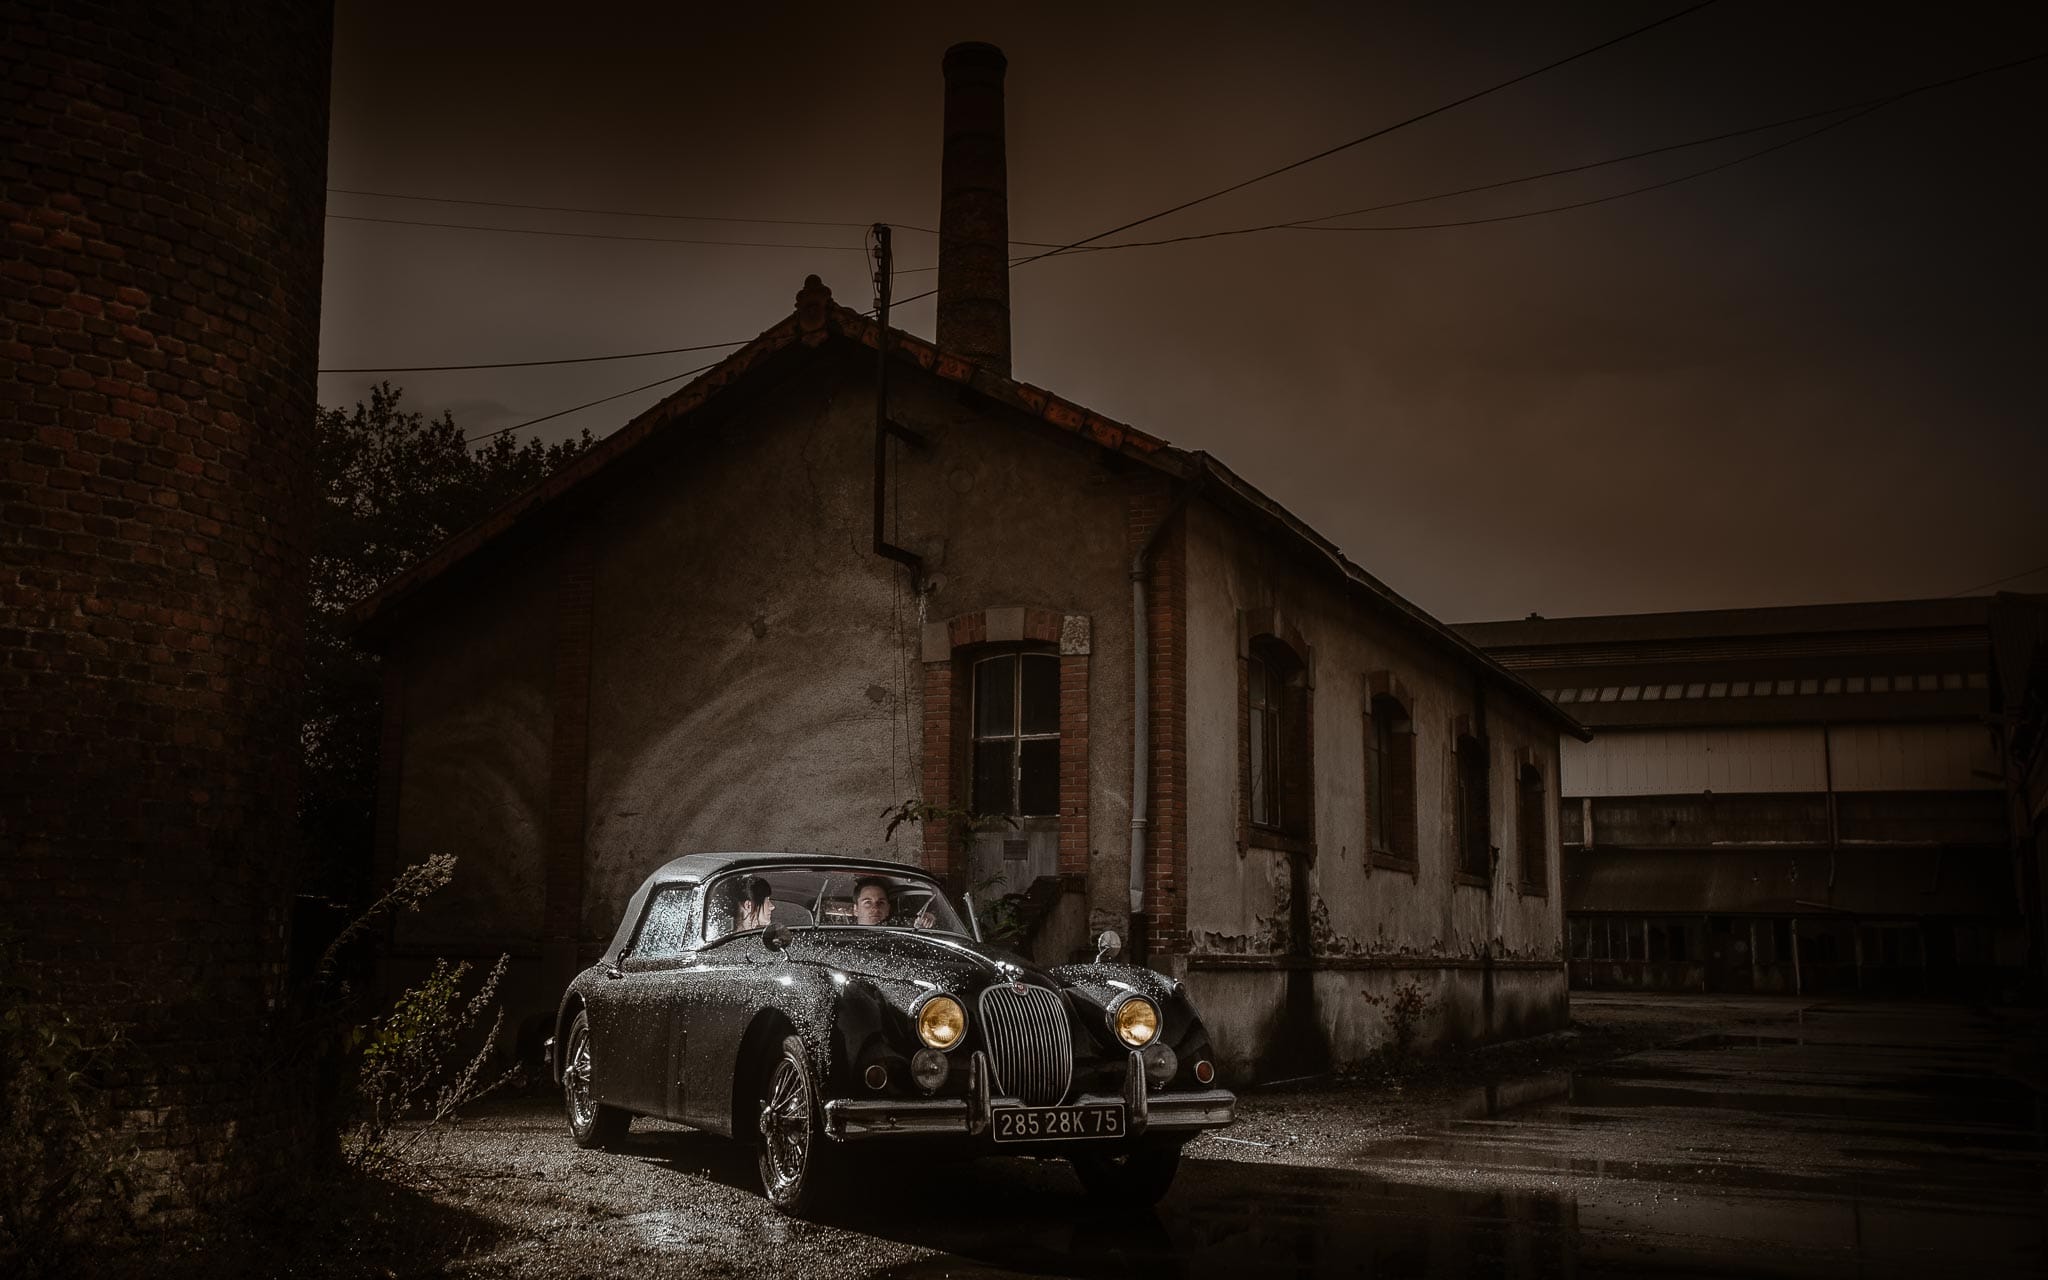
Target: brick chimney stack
[974,213]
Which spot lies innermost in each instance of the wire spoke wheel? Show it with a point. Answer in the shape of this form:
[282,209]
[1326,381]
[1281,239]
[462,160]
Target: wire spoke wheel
[591,1123]
[786,1128]
[576,1083]
[797,1160]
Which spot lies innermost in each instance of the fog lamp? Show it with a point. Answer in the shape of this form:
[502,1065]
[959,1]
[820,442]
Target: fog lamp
[877,1076]
[1136,1021]
[1160,1065]
[941,1022]
[1205,1073]
[928,1068]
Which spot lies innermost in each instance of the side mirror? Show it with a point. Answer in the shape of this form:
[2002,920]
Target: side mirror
[1107,945]
[615,967]
[776,937]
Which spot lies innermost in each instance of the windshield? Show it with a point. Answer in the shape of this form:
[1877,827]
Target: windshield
[800,896]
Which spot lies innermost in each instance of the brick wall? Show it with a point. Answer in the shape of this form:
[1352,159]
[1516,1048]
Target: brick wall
[164,177]
[1166,625]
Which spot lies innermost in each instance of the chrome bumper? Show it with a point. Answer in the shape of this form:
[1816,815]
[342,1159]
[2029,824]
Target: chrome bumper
[852,1119]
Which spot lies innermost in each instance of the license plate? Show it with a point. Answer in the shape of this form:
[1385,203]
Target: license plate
[1036,1124]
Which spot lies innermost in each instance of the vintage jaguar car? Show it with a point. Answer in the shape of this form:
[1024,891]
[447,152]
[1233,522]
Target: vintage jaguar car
[811,1004]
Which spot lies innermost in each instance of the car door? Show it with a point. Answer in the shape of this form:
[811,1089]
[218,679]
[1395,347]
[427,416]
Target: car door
[713,1005]
[631,1037]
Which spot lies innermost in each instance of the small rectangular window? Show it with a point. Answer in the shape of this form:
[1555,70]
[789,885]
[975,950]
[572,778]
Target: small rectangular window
[1016,746]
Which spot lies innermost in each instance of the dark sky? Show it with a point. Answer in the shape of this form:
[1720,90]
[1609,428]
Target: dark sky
[1815,376]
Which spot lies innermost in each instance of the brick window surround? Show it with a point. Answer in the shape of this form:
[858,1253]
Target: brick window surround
[1390,749]
[1264,634]
[949,650]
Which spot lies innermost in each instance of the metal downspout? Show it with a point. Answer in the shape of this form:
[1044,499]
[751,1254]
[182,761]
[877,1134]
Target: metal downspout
[1141,687]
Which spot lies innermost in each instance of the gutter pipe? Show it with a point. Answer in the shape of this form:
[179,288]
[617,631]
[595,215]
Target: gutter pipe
[1141,684]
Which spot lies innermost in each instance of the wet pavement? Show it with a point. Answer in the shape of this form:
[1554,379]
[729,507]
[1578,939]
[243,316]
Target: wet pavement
[1823,1140]
[1838,1141]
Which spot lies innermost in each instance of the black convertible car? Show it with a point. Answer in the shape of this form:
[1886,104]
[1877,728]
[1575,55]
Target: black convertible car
[811,1004]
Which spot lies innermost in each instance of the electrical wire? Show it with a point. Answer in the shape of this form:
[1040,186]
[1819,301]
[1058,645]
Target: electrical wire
[590,235]
[636,213]
[1363,138]
[534,364]
[548,417]
[609,213]
[1383,131]
[1998,582]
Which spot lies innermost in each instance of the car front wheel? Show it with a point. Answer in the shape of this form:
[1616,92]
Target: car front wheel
[1136,1178]
[591,1123]
[796,1158]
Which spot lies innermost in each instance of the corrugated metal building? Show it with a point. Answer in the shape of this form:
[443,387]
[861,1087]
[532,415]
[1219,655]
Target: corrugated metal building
[1782,800]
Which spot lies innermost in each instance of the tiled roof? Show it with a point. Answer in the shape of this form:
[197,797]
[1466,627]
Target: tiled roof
[818,320]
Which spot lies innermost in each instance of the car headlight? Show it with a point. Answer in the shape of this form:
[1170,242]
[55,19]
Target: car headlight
[1135,1021]
[941,1022]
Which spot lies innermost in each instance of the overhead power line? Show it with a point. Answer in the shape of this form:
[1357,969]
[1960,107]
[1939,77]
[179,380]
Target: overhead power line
[1858,109]
[591,235]
[533,364]
[1999,582]
[635,213]
[616,395]
[1360,140]
[608,213]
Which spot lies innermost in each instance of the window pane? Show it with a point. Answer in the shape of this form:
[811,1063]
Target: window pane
[992,776]
[1041,693]
[1260,793]
[995,697]
[1376,785]
[1256,679]
[666,926]
[1038,779]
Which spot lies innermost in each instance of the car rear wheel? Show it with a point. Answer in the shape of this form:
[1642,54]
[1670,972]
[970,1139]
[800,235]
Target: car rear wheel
[591,1123]
[796,1158]
[1136,1178]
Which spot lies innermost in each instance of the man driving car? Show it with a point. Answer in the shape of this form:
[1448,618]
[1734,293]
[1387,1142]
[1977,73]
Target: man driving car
[871,901]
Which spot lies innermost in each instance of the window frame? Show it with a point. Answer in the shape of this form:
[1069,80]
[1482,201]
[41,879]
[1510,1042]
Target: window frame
[1390,783]
[1472,815]
[1532,830]
[1264,725]
[1016,737]
[1288,825]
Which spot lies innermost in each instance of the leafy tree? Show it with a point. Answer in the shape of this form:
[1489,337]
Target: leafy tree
[394,485]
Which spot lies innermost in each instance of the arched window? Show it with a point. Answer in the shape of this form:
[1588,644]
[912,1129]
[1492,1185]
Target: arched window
[1390,782]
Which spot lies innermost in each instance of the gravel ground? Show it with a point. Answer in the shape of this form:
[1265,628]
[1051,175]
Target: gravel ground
[506,1195]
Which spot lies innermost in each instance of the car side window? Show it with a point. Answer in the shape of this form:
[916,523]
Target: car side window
[666,930]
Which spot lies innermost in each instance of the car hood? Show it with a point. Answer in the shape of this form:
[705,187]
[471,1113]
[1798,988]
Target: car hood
[944,961]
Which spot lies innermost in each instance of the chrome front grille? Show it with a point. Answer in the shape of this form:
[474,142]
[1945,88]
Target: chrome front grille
[1029,1043]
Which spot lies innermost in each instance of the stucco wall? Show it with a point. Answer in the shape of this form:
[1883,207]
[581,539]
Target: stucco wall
[1360,915]
[756,668]
[478,714]
[1008,515]
[747,682]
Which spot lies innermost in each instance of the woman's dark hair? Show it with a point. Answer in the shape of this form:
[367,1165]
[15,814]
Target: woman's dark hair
[888,890]
[756,890]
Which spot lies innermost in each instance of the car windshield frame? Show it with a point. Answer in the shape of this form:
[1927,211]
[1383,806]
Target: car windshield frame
[832,897]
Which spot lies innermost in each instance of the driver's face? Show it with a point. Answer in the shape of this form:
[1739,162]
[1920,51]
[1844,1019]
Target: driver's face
[871,906]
